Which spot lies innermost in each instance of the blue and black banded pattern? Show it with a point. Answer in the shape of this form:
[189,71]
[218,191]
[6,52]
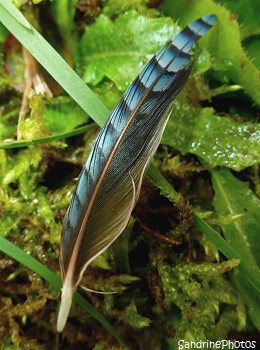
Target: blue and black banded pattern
[109,184]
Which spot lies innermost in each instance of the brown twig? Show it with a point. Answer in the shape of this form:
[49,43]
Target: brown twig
[169,240]
[33,79]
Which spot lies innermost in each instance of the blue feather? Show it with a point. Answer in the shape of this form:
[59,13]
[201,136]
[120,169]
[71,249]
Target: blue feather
[109,185]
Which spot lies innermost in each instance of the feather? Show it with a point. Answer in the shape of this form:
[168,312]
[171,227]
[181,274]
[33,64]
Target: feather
[110,182]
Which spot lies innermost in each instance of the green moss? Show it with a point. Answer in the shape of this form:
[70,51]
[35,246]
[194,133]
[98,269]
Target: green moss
[206,313]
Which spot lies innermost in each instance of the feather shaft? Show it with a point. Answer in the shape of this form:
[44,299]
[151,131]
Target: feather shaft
[109,184]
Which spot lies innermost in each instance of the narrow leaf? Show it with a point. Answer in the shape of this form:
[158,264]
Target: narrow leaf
[13,11]
[54,64]
[251,276]
[110,182]
[27,260]
[21,144]
[225,248]
[238,210]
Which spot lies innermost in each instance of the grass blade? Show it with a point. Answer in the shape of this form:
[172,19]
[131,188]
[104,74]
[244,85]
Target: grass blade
[20,144]
[27,260]
[16,13]
[226,249]
[52,62]
[223,246]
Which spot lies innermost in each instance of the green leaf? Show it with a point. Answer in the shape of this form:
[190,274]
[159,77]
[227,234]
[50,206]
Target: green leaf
[248,15]
[253,49]
[117,49]
[56,117]
[116,7]
[232,143]
[238,210]
[230,60]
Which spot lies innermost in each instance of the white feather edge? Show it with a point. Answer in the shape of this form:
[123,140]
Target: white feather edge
[68,288]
